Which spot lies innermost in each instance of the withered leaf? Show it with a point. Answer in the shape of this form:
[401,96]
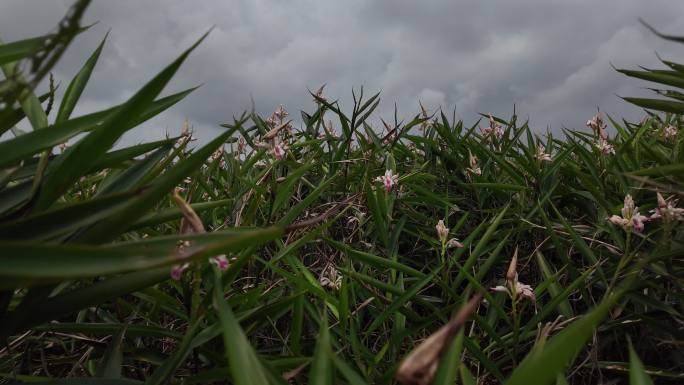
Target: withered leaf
[420,365]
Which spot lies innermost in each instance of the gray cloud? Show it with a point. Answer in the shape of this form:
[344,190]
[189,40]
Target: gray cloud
[549,58]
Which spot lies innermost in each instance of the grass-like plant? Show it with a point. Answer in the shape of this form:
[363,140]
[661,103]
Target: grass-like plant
[427,253]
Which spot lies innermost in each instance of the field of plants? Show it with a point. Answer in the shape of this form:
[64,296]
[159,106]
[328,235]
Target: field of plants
[319,248]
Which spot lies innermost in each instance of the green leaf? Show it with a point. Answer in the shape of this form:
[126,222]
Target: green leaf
[399,302]
[85,381]
[64,219]
[658,104]
[245,366]
[53,307]
[166,370]
[547,359]
[637,372]
[321,372]
[374,260]
[110,366]
[286,188]
[449,363]
[72,164]
[133,176]
[137,207]
[171,214]
[29,263]
[9,117]
[467,377]
[16,50]
[77,85]
[28,100]
[22,147]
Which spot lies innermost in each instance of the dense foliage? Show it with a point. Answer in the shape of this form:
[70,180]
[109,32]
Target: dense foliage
[329,251]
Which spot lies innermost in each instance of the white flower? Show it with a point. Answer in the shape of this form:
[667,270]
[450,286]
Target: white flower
[630,219]
[541,154]
[442,231]
[666,210]
[515,288]
[521,289]
[596,124]
[330,277]
[388,180]
[474,168]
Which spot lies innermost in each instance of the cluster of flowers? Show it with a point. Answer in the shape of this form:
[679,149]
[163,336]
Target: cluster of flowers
[494,129]
[596,124]
[670,132]
[631,219]
[276,122]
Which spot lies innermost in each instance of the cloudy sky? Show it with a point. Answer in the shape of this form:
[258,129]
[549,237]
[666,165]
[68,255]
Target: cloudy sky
[551,59]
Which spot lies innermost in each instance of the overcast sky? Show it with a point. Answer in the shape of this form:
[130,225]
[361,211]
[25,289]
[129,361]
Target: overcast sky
[551,59]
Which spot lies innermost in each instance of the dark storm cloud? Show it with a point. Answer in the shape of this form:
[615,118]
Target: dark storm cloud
[549,58]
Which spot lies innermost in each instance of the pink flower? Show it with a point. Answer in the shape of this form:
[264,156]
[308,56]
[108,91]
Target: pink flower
[279,151]
[220,261]
[494,129]
[670,132]
[177,271]
[453,242]
[630,219]
[667,210]
[280,112]
[605,147]
[524,290]
[388,180]
[241,145]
